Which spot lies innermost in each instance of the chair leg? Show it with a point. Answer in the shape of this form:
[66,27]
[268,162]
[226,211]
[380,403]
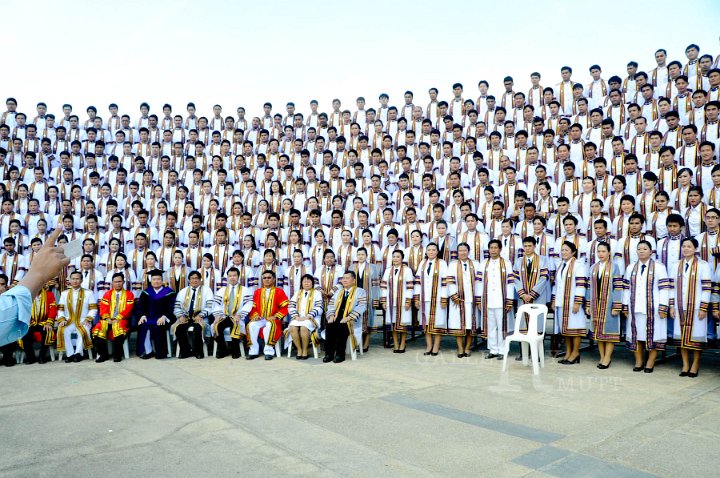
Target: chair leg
[524,348]
[315,350]
[52,353]
[289,349]
[533,358]
[169,346]
[541,352]
[505,361]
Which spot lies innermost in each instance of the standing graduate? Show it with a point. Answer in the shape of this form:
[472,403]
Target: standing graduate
[398,285]
[431,298]
[603,303]
[645,303]
[464,293]
[568,299]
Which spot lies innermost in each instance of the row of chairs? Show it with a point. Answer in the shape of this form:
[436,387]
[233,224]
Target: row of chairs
[20,354]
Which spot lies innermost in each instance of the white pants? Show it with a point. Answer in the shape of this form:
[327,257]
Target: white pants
[254,327]
[495,340]
[76,348]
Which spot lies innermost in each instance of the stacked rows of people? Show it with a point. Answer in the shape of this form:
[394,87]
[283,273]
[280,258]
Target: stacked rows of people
[618,164]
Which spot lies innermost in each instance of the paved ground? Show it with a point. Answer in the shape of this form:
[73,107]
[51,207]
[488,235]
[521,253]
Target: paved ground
[385,414]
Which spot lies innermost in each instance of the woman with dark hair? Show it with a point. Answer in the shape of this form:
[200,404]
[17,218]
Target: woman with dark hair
[305,311]
[568,299]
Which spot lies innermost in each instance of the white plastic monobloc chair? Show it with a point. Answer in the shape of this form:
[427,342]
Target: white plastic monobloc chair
[532,339]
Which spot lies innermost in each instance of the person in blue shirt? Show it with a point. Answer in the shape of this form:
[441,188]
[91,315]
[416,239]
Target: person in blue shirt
[16,302]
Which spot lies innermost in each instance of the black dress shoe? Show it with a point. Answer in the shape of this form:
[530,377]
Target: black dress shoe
[460,355]
[563,362]
[365,350]
[692,374]
[101,359]
[305,357]
[149,356]
[219,356]
[396,351]
[42,360]
[604,367]
[338,359]
[499,357]
[491,356]
[269,357]
[434,354]
[649,369]
[427,353]
[683,374]
[200,356]
[67,359]
[466,354]
[236,356]
[117,359]
[78,358]
[30,361]
[638,369]
[327,359]
[251,357]
[11,362]
[298,357]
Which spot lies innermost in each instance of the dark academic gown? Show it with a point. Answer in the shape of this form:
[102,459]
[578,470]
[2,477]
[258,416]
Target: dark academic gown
[154,305]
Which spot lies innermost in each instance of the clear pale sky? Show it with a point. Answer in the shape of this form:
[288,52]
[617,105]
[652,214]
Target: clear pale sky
[240,53]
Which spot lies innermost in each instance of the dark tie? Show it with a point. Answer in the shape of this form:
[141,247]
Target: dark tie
[562,269]
[642,269]
[528,267]
[343,305]
[687,265]
[396,271]
[429,267]
[191,312]
[465,265]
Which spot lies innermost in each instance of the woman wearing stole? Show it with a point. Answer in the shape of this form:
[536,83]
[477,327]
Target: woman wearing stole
[567,301]
[431,298]
[603,303]
[368,278]
[645,303]
[463,283]
[689,305]
[397,286]
[305,311]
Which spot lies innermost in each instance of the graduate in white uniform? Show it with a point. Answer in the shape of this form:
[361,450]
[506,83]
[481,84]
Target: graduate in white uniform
[77,309]
[603,303]
[398,286]
[431,298]
[193,305]
[231,306]
[645,303]
[669,252]
[368,278]
[305,312]
[568,300]
[532,277]
[497,286]
[689,305]
[464,293]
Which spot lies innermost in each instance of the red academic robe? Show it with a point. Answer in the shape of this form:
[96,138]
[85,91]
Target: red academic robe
[275,308]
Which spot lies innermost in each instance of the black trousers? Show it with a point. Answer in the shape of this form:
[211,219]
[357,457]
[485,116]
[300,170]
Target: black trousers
[222,348]
[336,335]
[102,348]
[7,353]
[183,339]
[28,342]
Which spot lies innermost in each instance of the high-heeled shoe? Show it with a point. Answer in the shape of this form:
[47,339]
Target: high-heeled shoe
[365,350]
[683,374]
[460,355]
[604,367]
[638,369]
[649,369]
[428,353]
[562,361]
[401,351]
[692,374]
[434,354]
[571,362]
[466,354]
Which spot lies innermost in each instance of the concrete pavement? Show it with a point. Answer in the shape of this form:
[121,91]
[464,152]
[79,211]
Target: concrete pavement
[384,414]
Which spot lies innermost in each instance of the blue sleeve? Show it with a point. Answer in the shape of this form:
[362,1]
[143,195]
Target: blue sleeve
[15,306]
